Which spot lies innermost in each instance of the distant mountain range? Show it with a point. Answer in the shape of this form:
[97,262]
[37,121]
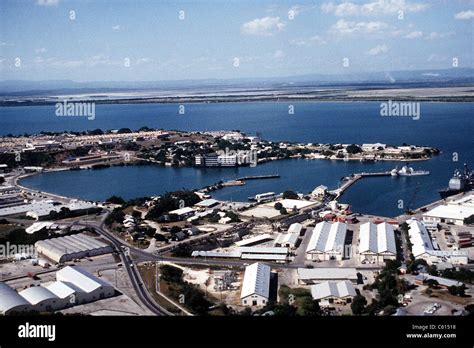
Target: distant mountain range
[435,78]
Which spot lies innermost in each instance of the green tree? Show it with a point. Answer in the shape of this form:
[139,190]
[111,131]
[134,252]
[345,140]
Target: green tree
[115,200]
[353,149]
[290,195]
[457,290]
[358,304]
[171,274]
[233,216]
[432,283]
[175,229]
[470,309]
[117,215]
[309,307]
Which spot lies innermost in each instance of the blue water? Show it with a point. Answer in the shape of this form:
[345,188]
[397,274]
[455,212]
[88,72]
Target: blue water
[447,126]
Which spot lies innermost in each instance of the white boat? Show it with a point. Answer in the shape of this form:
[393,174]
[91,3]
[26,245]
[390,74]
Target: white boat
[409,171]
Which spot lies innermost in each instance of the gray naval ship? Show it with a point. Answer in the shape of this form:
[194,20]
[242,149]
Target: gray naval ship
[461,181]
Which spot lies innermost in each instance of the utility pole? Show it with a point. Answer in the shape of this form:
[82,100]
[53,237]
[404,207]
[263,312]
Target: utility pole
[156,276]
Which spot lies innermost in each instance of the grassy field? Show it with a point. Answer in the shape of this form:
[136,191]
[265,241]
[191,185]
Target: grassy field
[148,275]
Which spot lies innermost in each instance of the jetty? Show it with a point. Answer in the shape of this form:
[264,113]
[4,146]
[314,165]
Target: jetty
[258,177]
[350,180]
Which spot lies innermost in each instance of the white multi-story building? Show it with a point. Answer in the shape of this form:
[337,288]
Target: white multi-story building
[227,160]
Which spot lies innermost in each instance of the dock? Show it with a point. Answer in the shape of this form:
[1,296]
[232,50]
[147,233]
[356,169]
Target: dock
[233,183]
[258,177]
[350,180]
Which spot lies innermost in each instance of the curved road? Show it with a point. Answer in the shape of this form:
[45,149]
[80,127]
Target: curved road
[135,277]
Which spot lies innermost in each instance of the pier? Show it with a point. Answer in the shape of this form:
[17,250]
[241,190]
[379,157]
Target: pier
[350,180]
[258,177]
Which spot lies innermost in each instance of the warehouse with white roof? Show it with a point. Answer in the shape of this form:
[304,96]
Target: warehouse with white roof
[333,292]
[42,300]
[183,213]
[256,285]
[93,288]
[453,212]
[71,247]
[322,274]
[295,228]
[254,240]
[419,238]
[70,293]
[11,301]
[377,243]
[287,240]
[327,241]
[73,286]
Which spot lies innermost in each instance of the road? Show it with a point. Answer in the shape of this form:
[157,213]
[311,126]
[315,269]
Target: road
[131,269]
[14,181]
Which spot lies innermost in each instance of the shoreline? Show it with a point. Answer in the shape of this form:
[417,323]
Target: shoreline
[246,100]
[209,189]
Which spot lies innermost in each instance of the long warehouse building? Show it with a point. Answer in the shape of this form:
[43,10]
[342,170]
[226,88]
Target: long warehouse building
[256,285]
[327,242]
[377,243]
[11,301]
[71,247]
[73,286]
[420,239]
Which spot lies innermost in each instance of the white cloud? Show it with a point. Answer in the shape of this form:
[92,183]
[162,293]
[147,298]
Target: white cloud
[266,26]
[377,50]
[375,8]
[40,50]
[435,35]
[465,15]
[47,2]
[294,11]
[414,35]
[344,27]
[313,40]
[116,27]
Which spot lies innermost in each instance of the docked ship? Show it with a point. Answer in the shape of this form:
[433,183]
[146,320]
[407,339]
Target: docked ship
[460,182]
[408,171]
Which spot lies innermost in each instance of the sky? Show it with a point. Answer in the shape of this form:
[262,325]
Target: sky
[152,40]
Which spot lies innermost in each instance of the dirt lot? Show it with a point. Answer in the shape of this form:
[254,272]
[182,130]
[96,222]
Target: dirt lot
[202,276]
